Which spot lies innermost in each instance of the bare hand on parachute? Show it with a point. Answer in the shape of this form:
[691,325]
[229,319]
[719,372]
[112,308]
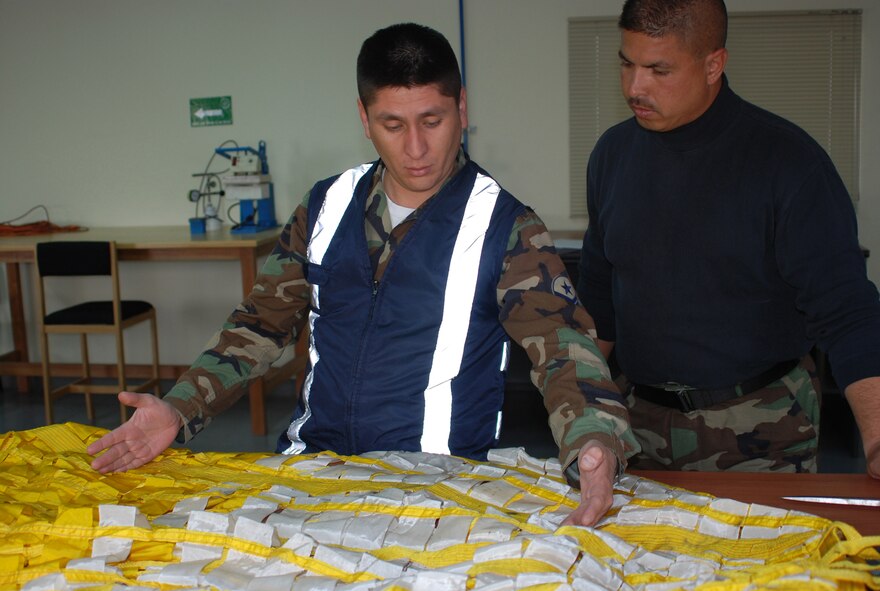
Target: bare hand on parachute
[148,433]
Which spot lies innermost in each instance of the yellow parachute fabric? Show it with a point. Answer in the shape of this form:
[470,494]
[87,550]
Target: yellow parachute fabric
[386,521]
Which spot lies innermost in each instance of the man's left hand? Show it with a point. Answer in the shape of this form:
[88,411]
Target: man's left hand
[598,467]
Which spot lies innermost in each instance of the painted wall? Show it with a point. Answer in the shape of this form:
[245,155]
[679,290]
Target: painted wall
[94,118]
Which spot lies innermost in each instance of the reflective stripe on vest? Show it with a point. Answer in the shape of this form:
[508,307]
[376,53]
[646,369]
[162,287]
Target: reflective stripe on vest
[338,197]
[458,300]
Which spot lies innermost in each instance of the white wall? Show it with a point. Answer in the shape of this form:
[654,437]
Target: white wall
[94,120]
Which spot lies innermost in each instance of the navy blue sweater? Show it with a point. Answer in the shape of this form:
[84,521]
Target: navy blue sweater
[723,247]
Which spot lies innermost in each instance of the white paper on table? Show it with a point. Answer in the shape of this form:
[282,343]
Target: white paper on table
[344,560]
[450,530]
[561,556]
[410,532]
[486,529]
[367,531]
[381,568]
[326,531]
[190,504]
[282,582]
[184,574]
[207,521]
[511,549]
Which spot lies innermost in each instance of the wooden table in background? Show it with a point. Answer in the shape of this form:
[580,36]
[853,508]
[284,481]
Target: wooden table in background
[768,488]
[153,243]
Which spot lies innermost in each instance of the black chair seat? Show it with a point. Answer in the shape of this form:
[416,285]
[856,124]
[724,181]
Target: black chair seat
[96,313]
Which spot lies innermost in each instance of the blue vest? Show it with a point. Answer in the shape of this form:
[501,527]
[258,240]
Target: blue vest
[416,361]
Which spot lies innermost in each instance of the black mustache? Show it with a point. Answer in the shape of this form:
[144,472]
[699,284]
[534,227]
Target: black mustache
[635,102]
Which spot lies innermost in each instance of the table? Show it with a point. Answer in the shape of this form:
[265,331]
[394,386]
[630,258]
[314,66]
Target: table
[141,243]
[768,488]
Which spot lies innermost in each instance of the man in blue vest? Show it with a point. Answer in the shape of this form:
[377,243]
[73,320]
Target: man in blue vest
[412,274]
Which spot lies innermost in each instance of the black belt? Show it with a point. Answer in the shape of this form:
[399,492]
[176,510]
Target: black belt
[688,399]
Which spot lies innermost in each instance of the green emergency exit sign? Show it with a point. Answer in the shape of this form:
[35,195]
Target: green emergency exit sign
[214,110]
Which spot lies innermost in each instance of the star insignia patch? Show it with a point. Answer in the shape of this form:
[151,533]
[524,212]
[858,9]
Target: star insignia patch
[562,286]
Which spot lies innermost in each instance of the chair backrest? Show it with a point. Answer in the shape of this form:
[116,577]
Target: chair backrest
[77,259]
[73,258]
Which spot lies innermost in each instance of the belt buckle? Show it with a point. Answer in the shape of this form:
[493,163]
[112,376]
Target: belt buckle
[681,391]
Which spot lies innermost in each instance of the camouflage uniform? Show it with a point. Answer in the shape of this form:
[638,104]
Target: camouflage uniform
[537,308]
[775,428]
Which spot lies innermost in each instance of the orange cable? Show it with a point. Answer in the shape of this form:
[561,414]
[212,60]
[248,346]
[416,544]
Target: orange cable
[35,228]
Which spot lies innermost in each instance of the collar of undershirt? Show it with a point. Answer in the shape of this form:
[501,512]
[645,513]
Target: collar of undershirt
[379,176]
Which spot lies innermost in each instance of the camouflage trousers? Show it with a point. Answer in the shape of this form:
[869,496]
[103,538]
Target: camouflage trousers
[772,429]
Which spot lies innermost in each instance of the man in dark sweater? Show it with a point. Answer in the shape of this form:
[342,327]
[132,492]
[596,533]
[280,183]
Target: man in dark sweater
[721,246]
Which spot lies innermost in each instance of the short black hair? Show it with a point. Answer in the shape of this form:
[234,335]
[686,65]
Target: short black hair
[407,55]
[700,24]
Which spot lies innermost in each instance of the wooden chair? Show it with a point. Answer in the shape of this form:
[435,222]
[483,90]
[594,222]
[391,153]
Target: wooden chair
[65,261]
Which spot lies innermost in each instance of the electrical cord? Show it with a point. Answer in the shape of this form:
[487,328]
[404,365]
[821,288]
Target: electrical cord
[247,221]
[9,228]
[229,216]
[205,175]
[25,214]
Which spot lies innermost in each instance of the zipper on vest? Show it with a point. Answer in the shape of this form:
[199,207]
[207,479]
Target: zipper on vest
[352,438]
[374,292]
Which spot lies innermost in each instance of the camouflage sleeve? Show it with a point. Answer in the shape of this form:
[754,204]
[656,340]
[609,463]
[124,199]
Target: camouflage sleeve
[540,312]
[254,335]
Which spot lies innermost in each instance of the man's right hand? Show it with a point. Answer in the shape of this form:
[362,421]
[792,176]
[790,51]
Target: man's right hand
[148,432]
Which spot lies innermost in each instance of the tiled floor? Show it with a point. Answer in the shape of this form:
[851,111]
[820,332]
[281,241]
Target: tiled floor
[525,424]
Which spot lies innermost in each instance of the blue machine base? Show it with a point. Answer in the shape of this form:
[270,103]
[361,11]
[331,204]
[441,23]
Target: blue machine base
[259,215]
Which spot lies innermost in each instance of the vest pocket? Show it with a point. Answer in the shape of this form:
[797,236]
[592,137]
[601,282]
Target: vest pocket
[316,274]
